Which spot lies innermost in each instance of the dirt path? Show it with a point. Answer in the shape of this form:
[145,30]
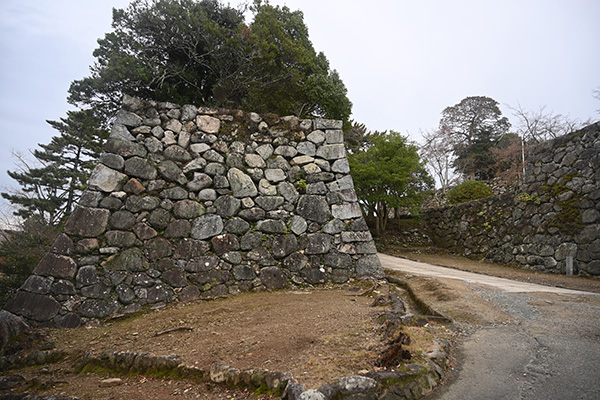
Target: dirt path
[515,344]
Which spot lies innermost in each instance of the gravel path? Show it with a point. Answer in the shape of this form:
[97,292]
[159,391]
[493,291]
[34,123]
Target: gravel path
[547,348]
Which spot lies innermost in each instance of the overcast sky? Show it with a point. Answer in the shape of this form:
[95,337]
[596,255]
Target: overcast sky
[403,61]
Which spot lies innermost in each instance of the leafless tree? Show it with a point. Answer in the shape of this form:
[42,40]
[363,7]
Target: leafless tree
[439,154]
[541,125]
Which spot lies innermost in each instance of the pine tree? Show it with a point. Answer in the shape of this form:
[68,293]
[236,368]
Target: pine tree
[50,191]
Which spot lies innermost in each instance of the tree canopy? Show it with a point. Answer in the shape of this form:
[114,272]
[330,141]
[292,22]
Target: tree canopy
[203,53]
[388,174]
[473,126]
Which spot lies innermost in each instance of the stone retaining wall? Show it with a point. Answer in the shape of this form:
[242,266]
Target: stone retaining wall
[555,215]
[191,203]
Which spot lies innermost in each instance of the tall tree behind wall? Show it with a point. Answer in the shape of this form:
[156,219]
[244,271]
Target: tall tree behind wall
[50,189]
[203,53]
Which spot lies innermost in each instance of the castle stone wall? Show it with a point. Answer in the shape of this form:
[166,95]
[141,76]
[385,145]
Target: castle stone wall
[189,203]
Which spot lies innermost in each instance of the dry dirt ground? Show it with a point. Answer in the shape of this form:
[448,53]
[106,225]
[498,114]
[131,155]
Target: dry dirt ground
[318,335]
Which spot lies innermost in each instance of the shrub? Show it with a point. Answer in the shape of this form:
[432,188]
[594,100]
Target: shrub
[468,191]
[19,254]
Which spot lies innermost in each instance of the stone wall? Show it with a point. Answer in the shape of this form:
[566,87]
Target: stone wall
[554,215]
[191,203]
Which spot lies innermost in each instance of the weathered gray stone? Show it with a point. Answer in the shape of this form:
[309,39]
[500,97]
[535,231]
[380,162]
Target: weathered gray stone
[241,184]
[275,175]
[298,225]
[97,291]
[341,185]
[97,308]
[177,153]
[208,124]
[316,188]
[334,136]
[128,119]
[251,240]
[346,211]
[315,276]
[311,168]
[159,219]
[197,164]
[190,249]
[140,168]
[264,187]
[188,209]
[125,294]
[202,264]
[120,132]
[86,276]
[321,123]
[357,385]
[106,179]
[285,151]
[265,151]
[207,195]
[237,226]
[56,266]
[271,226]
[224,243]
[207,226]
[334,226]
[174,278]
[288,191]
[179,228]
[273,278]
[312,394]
[200,181]
[125,148]
[253,214]
[261,256]
[228,206]
[128,260]
[255,161]
[37,284]
[33,306]
[120,238]
[113,161]
[369,266]
[122,220]
[341,166]
[244,273]
[171,172]
[318,243]
[213,156]
[314,208]
[269,203]
[157,248]
[295,262]
[307,148]
[284,245]
[317,137]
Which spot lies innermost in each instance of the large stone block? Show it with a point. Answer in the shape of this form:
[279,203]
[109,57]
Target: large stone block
[314,208]
[56,266]
[87,222]
[273,278]
[106,179]
[33,306]
[207,226]
[241,184]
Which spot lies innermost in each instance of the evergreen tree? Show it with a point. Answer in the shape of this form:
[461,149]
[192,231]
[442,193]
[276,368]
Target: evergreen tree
[50,191]
[203,53]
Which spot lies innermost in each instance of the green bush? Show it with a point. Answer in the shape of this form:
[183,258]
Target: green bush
[468,191]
